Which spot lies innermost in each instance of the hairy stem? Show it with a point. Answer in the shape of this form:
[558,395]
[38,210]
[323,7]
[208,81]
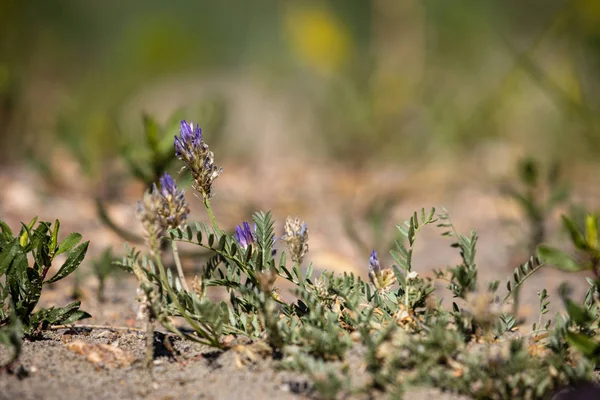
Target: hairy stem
[203,333]
[178,265]
[211,215]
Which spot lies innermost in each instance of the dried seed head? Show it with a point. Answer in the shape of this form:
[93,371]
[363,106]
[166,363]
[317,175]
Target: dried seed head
[197,286]
[148,214]
[198,159]
[296,238]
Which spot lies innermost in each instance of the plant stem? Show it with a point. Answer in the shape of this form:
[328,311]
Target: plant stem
[149,358]
[211,215]
[102,327]
[178,265]
[212,340]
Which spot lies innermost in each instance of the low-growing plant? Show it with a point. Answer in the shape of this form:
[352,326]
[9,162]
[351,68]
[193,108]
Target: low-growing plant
[408,336]
[25,261]
[581,323]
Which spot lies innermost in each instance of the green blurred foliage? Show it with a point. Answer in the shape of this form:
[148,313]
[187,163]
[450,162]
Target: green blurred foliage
[380,79]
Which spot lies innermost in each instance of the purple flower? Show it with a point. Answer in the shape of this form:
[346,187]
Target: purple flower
[173,209]
[168,188]
[198,159]
[374,265]
[189,140]
[244,235]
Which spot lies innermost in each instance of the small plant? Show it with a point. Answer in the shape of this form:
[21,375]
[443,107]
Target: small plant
[103,267]
[580,326]
[537,197]
[408,336]
[25,260]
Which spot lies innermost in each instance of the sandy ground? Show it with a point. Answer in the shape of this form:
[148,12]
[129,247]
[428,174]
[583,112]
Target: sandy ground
[49,369]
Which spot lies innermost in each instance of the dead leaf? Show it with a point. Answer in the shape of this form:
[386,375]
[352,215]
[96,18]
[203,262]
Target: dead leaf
[102,355]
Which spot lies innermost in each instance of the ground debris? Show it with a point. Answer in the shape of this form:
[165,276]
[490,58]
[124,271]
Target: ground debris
[102,355]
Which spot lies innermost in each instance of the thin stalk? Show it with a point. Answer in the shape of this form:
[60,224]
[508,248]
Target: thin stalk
[149,358]
[178,265]
[92,327]
[518,285]
[211,215]
[212,340]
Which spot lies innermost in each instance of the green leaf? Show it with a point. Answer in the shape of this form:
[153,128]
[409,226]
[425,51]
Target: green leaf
[151,130]
[562,261]
[54,238]
[75,316]
[585,344]
[265,232]
[75,258]
[6,231]
[63,315]
[576,235]
[69,242]
[24,237]
[591,230]
[577,313]
[8,254]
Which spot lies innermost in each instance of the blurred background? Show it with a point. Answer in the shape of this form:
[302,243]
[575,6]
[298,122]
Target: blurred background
[352,81]
[419,91]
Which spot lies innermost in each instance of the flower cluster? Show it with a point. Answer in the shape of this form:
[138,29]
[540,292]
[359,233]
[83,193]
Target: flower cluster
[296,238]
[198,159]
[381,278]
[162,209]
[173,209]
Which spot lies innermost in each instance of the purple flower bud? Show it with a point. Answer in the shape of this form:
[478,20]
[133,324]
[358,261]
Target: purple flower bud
[167,186]
[374,265]
[244,235]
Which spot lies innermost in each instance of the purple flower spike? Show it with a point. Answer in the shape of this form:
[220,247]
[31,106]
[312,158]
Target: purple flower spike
[244,235]
[189,140]
[198,159]
[167,186]
[374,265]
[173,210]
